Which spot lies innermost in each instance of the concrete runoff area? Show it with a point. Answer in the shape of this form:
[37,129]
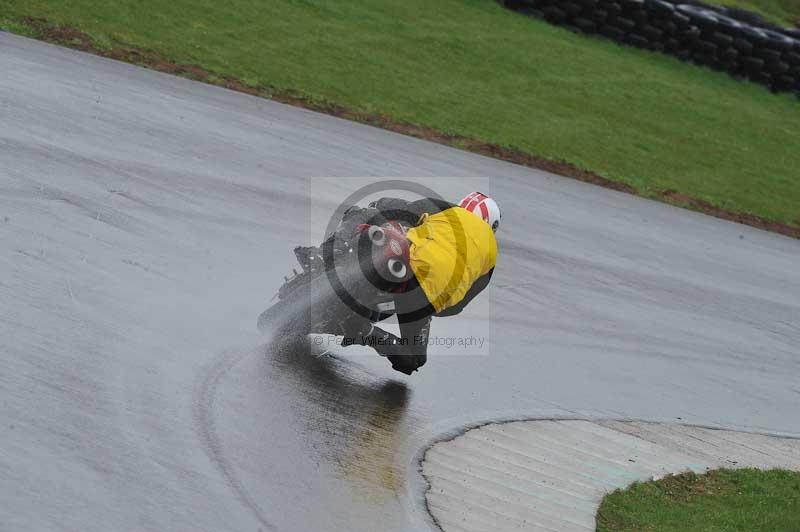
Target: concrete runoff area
[552,475]
[145,222]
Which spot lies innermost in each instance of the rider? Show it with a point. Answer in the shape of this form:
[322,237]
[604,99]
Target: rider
[452,254]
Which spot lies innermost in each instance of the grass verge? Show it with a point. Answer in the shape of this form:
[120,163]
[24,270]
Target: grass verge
[783,12]
[746,500]
[472,74]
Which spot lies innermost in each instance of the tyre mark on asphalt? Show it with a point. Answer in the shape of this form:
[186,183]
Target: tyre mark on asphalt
[203,413]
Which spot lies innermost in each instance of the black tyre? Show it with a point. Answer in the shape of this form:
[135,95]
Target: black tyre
[660,8]
[586,25]
[701,17]
[652,33]
[612,32]
[729,55]
[690,34]
[683,54]
[777,67]
[751,65]
[728,25]
[613,8]
[754,35]
[682,21]
[623,23]
[767,54]
[671,44]
[704,59]
[637,40]
[793,58]
[630,5]
[705,47]
[639,15]
[721,39]
[599,15]
[554,14]
[744,15]
[783,83]
[572,8]
[533,4]
[778,41]
[743,45]
[668,27]
[531,12]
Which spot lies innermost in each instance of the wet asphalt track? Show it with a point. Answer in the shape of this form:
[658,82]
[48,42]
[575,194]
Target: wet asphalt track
[146,219]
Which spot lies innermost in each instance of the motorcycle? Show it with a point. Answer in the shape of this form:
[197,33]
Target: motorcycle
[344,285]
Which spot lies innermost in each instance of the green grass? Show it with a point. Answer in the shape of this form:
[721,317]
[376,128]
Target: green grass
[746,500]
[474,68]
[783,12]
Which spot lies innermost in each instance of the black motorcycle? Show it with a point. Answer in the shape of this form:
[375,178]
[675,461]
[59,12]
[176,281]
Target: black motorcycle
[344,285]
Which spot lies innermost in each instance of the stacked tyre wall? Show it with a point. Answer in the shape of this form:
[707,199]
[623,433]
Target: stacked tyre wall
[732,40]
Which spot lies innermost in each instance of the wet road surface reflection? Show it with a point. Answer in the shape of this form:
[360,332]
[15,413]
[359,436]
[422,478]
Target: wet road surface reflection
[298,428]
[362,417]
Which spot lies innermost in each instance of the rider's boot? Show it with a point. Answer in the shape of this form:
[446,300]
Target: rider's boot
[372,336]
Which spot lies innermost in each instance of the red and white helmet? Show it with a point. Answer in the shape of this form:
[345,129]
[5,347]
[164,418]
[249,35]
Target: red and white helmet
[482,205]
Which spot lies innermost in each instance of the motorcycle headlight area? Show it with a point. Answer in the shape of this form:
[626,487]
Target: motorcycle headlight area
[397,269]
[376,235]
